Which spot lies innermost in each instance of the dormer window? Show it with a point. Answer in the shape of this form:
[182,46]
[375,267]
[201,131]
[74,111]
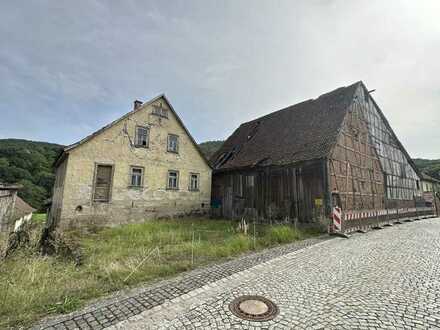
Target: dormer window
[142,136]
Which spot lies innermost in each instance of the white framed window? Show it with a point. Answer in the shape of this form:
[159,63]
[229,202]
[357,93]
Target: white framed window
[142,136]
[136,176]
[173,143]
[173,180]
[194,181]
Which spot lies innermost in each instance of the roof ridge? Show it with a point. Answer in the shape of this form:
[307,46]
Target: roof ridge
[292,106]
[114,122]
[304,131]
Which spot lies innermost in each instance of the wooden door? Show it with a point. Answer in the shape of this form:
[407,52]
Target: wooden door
[103,183]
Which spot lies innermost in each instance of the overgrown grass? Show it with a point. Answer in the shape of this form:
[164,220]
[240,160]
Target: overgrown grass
[39,217]
[32,286]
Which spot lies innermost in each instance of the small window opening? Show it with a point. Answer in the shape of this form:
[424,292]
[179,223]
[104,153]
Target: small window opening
[137,174]
[194,182]
[173,180]
[173,143]
[160,111]
[142,134]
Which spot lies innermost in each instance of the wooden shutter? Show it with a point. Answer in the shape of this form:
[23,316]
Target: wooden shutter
[103,183]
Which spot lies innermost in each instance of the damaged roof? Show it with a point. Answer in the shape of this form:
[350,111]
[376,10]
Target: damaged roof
[22,208]
[301,132]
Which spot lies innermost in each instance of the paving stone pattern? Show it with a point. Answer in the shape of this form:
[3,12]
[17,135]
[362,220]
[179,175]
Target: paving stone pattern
[385,279]
[114,310]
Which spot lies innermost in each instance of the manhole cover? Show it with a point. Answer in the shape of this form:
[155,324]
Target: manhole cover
[253,308]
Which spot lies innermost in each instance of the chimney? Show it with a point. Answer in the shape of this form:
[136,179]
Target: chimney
[136,104]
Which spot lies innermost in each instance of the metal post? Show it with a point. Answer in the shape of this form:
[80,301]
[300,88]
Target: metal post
[254,236]
[435,204]
[327,193]
[192,245]
[415,206]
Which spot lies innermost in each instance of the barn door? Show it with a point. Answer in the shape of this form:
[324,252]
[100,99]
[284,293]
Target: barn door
[103,183]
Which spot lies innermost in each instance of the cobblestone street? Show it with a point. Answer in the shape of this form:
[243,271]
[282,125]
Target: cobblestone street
[384,279]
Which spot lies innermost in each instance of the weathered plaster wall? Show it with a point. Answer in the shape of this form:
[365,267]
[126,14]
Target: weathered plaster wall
[58,190]
[7,202]
[113,146]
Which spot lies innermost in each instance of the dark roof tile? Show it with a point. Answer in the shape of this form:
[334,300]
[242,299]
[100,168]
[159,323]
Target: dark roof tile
[300,132]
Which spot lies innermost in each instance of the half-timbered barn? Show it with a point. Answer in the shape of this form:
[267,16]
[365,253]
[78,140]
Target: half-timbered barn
[297,163]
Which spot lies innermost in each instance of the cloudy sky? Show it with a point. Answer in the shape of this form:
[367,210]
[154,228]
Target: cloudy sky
[69,67]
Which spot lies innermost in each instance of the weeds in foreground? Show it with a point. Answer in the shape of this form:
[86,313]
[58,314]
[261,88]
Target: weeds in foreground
[32,286]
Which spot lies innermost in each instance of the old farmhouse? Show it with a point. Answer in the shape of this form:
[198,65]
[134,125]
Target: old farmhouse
[296,163]
[143,165]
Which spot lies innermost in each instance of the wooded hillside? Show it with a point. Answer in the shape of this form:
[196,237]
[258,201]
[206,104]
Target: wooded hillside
[210,147]
[430,167]
[29,163]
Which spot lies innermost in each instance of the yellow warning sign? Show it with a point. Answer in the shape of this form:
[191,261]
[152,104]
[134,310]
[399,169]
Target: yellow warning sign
[318,202]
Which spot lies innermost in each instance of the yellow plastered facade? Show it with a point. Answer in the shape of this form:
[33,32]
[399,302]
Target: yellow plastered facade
[73,192]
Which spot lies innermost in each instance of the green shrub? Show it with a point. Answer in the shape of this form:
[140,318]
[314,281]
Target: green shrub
[39,217]
[237,244]
[280,235]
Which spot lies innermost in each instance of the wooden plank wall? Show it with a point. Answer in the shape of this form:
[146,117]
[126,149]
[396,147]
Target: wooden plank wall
[272,193]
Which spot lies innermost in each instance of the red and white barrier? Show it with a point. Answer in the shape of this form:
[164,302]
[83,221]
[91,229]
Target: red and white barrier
[366,219]
[337,219]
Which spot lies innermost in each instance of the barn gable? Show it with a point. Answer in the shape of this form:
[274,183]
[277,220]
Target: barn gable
[402,176]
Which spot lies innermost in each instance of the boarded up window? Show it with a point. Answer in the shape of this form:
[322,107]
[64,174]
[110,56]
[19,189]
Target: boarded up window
[103,183]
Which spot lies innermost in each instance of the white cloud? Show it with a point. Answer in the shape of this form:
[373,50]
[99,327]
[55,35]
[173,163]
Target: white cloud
[221,63]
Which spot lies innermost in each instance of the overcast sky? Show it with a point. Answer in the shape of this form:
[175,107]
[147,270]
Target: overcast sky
[69,67]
